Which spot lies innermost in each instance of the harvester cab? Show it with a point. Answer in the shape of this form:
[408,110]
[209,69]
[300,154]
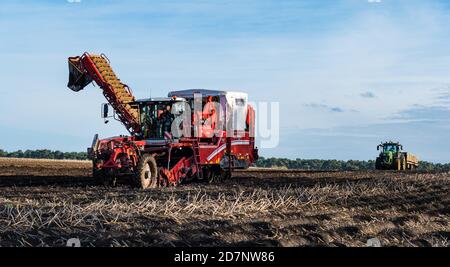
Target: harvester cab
[157,116]
[392,157]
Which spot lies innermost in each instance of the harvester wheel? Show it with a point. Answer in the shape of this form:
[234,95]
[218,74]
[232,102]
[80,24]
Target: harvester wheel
[209,175]
[224,175]
[146,175]
[104,179]
[99,177]
[219,175]
[110,181]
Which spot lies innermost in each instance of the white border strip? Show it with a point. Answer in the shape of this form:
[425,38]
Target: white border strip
[222,147]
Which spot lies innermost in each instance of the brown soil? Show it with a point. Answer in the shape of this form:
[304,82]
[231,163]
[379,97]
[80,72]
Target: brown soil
[45,202]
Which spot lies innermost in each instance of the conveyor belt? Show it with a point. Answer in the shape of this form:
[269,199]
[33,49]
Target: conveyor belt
[86,68]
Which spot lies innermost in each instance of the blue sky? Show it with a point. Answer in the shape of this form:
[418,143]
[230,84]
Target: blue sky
[347,74]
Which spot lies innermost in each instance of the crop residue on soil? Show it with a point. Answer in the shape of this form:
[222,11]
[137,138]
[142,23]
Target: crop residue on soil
[45,202]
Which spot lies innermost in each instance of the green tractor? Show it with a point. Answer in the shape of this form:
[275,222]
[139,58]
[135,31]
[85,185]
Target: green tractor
[393,158]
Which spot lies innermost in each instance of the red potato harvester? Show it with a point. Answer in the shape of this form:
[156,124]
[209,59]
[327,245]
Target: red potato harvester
[191,134]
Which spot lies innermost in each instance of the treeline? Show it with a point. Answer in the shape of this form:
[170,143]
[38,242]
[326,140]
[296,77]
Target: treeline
[43,154]
[336,165]
[282,163]
[315,164]
[428,166]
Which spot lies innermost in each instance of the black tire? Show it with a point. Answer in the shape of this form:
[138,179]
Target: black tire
[110,181]
[227,175]
[98,175]
[378,164]
[208,175]
[223,175]
[220,175]
[100,178]
[146,175]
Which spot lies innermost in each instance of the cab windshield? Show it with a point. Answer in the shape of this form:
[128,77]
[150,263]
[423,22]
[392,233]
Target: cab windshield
[391,148]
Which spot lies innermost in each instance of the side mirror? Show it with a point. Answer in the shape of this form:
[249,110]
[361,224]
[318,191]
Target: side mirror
[105,111]
[378,148]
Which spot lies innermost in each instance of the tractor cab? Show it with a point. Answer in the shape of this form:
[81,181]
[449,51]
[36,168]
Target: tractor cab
[390,147]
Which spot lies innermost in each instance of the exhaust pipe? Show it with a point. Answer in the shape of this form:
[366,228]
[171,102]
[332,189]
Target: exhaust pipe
[92,151]
[78,79]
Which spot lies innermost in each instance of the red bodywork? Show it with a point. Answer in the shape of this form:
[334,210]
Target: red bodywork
[177,161]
